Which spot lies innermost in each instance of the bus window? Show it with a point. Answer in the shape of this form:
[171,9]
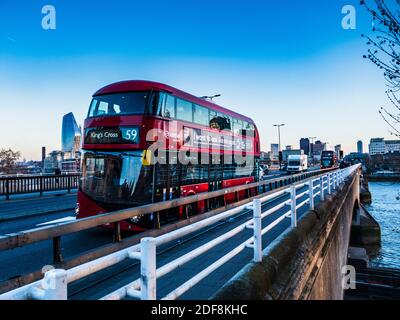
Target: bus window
[156,104]
[200,115]
[248,129]
[229,171]
[102,108]
[227,123]
[118,103]
[252,131]
[169,109]
[184,110]
[214,123]
[220,121]
[194,173]
[243,168]
[237,126]
[93,107]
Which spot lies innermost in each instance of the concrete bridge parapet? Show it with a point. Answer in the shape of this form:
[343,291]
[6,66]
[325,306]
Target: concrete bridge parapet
[305,262]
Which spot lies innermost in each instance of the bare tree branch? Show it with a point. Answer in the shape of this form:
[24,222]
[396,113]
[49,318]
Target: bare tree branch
[384,51]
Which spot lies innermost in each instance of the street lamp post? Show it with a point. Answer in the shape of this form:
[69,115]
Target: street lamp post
[279,139]
[210,97]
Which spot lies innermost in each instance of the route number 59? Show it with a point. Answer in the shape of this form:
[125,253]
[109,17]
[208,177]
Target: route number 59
[131,134]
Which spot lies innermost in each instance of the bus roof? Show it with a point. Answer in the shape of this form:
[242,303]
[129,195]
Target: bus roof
[142,85]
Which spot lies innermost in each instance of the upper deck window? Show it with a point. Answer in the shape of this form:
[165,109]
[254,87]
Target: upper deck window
[220,121]
[162,105]
[118,104]
[237,126]
[248,129]
[184,110]
[168,106]
[200,115]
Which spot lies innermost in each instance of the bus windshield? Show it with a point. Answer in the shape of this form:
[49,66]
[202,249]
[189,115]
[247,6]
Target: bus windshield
[116,178]
[118,104]
[326,162]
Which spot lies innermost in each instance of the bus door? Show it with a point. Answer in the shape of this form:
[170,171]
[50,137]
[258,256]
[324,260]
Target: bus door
[215,182]
[166,188]
[173,184]
[160,190]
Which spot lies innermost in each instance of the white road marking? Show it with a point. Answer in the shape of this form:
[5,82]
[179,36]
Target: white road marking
[57,221]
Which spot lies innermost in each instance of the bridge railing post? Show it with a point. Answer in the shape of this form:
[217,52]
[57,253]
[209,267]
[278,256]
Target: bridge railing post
[321,188]
[41,186]
[293,206]
[69,180]
[54,286]
[311,194]
[337,179]
[148,279]
[257,230]
[334,181]
[329,183]
[8,189]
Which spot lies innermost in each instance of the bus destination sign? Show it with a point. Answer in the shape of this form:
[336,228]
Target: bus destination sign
[112,135]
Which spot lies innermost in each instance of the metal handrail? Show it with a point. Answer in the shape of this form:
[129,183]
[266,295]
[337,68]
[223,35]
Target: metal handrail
[145,287]
[37,184]
[18,239]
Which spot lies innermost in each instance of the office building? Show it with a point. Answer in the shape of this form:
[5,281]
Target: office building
[70,136]
[305,145]
[359,146]
[275,151]
[338,151]
[382,146]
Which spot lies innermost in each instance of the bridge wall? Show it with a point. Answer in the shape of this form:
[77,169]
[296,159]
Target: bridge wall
[305,262]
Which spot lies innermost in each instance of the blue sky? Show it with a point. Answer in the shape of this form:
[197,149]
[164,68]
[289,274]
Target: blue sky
[275,61]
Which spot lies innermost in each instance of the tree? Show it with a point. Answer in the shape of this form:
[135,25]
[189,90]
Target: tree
[8,159]
[384,52]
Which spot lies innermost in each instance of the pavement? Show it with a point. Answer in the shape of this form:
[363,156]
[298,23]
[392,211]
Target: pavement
[25,206]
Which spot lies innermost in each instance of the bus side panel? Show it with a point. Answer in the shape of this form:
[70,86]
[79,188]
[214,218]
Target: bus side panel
[88,208]
[230,198]
[191,190]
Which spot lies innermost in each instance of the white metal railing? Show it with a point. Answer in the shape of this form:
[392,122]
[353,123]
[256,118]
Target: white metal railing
[54,284]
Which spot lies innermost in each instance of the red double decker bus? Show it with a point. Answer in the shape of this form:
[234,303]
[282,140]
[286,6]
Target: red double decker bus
[146,142]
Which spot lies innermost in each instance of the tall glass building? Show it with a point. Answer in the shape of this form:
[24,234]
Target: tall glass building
[70,135]
[359,146]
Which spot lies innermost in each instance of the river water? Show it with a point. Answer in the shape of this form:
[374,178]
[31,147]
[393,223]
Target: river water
[385,208]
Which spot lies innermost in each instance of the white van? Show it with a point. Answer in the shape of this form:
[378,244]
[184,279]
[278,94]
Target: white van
[296,163]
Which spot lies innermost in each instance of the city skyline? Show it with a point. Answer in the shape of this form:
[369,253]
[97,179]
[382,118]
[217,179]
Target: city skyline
[259,66]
